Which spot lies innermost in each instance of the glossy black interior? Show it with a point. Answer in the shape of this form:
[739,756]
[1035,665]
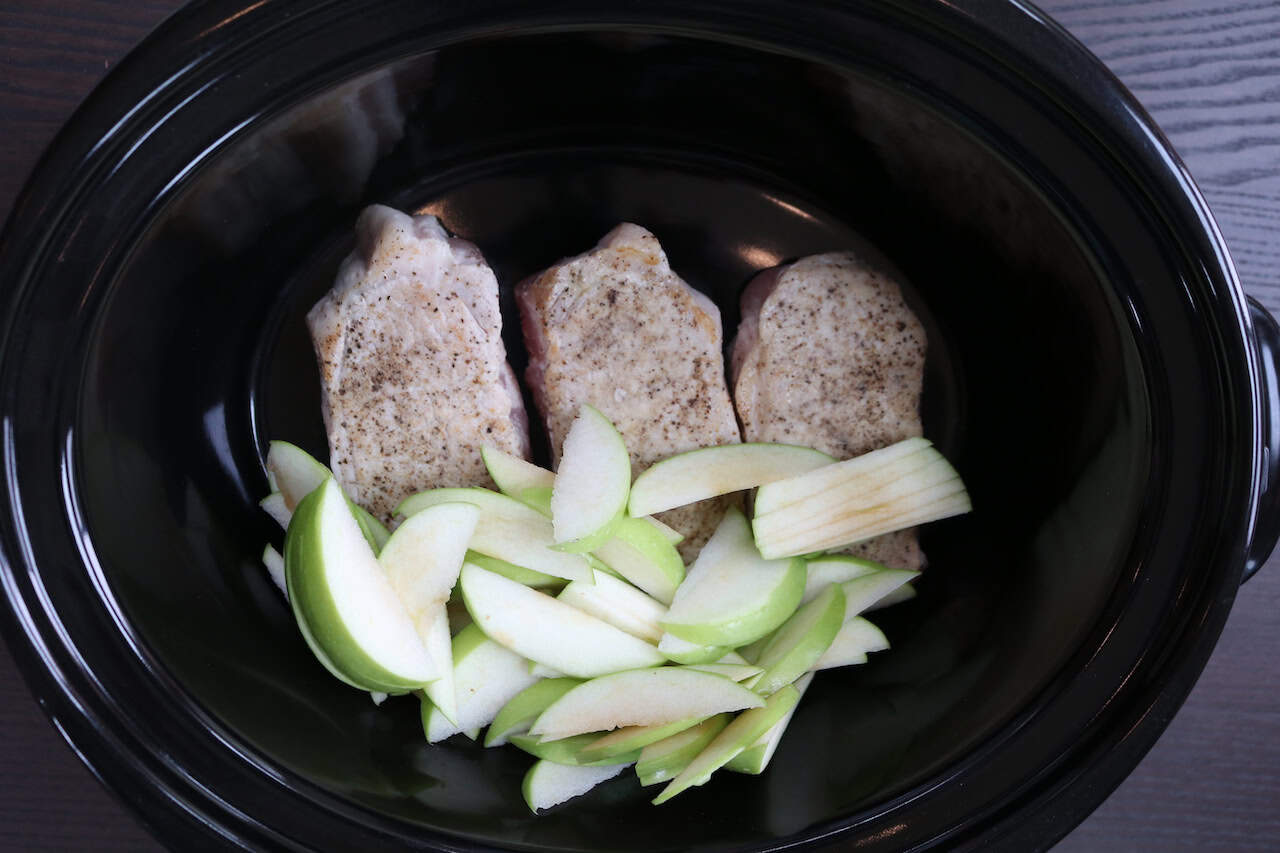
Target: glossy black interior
[1078,377]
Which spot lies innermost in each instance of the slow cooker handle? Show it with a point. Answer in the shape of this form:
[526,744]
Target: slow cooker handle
[1267,528]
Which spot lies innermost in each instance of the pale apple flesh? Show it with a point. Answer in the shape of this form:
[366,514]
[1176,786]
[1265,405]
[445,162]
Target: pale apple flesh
[713,471]
[548,784]
[618,603]
[508,530]
[486,677]
[518,617]
[592,482]
[649,697]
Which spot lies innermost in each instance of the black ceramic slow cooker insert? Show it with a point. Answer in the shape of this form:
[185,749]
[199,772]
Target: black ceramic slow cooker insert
[1095,373]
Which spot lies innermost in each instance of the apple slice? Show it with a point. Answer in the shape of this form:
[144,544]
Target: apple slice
[732,595]
[424,556]
[855,639]
[569,751]
[813,512]
[643,554]
[548,784]
[823,571]
[433,627]
[514,475]
[755,758]
[618,603]
[745,730]
[643,697]
[899,595]
[349,608]
[507,530]
[592,482]
[712,471]
[732,671]
[486,677]
[665,759]
[801,641]
[684,652]
[538,670]
[274,506]
[294,474]
[519,574]
[785,492]
[274,561]
[629,739]
[422,560]
[542,629]
[861,593]
[517,715]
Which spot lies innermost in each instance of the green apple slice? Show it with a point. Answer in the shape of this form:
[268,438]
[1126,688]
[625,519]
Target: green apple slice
[642,697]
[519,574]
[803,485]
[834,568]
[618,603]
[665,759]
[514,475]
[294,474]
[542,629]
[755,758]
[569,751]
[274,506]
[712,471]
[517,715]
[486,677]
[732,595]
[508,530]
[861,593]
[424,556]
[274,561]
[871,499]
[801,641]
[433,627]
[593,480]
[745,730]
[548,784]
[347,604]
[643,554]
[855,639]
[899,595]
[732,671]
[538,670]
[422,559]
[684,652]
[629,739]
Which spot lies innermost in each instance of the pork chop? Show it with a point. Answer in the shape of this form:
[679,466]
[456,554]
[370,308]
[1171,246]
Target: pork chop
[829,355]
[616,328]
[414,375]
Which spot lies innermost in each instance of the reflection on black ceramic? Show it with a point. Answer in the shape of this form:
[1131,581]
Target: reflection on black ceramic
[1089,373]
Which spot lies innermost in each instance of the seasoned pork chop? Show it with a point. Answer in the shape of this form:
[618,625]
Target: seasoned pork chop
[615,327]
[828,355]
[413,372]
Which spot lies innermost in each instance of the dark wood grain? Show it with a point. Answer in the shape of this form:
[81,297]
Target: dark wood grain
[1209,70]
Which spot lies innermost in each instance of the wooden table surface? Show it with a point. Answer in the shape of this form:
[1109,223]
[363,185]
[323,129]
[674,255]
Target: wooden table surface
[1208,70]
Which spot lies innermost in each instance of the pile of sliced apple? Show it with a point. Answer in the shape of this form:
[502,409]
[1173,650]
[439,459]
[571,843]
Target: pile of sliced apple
[558,613]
